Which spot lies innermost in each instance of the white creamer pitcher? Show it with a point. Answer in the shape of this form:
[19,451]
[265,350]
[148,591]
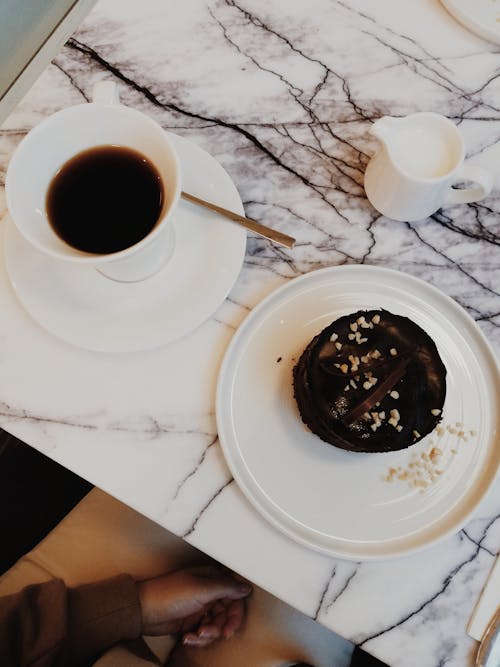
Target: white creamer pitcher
[420,158]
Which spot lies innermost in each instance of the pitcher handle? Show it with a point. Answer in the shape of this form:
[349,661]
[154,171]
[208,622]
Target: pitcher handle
[105,93]
[478,175]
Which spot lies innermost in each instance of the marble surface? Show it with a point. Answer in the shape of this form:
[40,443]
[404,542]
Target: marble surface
[283,95]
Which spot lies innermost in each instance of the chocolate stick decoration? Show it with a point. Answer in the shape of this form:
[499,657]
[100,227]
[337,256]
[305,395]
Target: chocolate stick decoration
[378,393]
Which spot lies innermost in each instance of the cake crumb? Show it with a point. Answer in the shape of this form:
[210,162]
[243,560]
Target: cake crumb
[435,412]
[338,345]
[393,351]
[394,394]
[376,319]
[334,337]
[421,471]
[435,454]
[353,326]
[391,473]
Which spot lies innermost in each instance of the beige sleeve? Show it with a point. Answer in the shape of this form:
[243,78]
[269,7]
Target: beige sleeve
[49,624]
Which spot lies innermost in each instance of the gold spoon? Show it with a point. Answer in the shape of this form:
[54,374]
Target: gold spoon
[252,225]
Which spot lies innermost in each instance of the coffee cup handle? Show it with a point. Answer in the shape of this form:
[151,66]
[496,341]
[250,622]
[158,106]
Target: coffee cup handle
[105,93]
[478,175]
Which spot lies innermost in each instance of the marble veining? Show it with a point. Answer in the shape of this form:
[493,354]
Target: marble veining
[283,94]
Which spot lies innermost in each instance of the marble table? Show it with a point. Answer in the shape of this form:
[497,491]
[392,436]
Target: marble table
[283,94]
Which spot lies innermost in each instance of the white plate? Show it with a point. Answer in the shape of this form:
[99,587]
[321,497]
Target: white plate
[79,305]
[479,16]
[340,502]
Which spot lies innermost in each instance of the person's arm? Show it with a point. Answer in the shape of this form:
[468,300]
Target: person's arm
[51,625]
[48,624]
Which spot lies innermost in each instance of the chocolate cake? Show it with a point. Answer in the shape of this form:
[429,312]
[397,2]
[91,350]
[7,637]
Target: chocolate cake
[370,382]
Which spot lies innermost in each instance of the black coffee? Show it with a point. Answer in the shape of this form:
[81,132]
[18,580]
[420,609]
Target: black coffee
[105,199]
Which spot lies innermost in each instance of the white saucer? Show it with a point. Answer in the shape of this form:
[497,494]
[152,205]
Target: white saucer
[479,16]
[79,305]
[341,503]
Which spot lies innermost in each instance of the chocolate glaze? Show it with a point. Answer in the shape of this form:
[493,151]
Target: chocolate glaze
[344,417]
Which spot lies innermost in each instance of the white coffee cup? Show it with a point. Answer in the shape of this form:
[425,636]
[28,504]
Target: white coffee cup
[420,158]
[48,146]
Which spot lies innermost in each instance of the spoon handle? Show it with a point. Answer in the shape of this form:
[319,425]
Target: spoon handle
[488,647]
[252,225]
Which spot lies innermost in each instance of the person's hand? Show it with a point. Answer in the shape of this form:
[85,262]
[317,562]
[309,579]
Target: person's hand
[202,603]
